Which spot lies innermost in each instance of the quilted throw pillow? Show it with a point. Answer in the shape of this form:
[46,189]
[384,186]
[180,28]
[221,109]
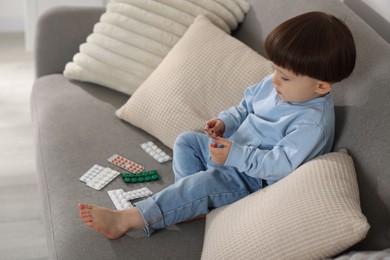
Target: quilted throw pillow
[206,72]
[313,213]
[133,36]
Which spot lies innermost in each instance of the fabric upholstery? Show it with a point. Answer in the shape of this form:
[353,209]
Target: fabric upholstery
[312,213]
[361,103]
[133,36]
[83,139]
[86,111]
[205,73]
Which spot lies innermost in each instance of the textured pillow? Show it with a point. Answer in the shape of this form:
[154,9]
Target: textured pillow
[205,73]
[133,36]
[311,214]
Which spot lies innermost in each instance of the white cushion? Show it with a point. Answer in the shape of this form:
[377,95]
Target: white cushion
[205,73]
[133,36]
[311,214]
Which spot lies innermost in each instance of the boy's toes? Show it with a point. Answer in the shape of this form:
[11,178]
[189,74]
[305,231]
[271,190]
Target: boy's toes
[85,214]
[87,220]
[84,206]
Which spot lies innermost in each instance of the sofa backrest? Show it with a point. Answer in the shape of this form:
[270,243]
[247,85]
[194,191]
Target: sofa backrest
[362,103]
[60,31]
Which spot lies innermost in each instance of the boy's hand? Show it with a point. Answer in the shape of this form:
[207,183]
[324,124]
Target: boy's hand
[214,128]
[220,154]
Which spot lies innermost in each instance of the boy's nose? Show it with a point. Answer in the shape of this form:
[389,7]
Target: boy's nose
[275,81]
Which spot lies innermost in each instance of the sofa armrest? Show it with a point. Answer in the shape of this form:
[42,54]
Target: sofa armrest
[60,31]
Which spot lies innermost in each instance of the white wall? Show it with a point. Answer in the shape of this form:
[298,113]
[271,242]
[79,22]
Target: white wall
[11,16]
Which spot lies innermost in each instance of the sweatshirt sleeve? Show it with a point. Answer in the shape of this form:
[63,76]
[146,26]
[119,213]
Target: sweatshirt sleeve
[234,116]
[302,143]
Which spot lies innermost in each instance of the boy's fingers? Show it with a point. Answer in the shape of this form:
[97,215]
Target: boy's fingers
[207,131]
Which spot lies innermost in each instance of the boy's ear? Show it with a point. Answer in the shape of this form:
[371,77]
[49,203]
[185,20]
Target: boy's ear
[323,87]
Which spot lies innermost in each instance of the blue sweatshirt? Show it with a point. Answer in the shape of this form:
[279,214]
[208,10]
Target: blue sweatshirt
[271,137]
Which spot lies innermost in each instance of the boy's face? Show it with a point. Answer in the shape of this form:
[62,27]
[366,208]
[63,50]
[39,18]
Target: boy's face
[297,88]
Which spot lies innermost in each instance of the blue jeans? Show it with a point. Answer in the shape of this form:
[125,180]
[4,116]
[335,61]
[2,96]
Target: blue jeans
[200,185]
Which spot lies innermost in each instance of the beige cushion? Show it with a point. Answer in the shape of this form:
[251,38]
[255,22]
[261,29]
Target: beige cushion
[311,214]
[205,73]
[133,36]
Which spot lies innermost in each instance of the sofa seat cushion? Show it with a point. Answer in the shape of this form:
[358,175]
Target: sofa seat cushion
[75,127]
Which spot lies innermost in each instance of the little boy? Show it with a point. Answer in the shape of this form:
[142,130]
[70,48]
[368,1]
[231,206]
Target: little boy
[282,122]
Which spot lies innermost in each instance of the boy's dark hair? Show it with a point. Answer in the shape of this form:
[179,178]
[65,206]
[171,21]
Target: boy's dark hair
[314,44]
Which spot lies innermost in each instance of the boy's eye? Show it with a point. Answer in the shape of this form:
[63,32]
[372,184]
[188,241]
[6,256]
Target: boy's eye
[284,78]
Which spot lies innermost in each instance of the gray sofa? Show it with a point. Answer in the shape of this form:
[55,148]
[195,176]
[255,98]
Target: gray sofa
[75,127]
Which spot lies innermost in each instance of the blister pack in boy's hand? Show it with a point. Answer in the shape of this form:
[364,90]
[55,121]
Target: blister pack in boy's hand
[216,145]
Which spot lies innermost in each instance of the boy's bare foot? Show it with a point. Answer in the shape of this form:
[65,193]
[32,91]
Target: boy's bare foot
[111,223]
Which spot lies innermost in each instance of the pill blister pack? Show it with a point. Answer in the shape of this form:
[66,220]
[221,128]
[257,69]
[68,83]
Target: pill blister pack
[121,199]
[125,163]
[98,176]
[91,173]
[154,151]
[215,144]
[140,177]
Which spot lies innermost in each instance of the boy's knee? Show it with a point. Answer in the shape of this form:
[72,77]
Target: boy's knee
[184,138]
